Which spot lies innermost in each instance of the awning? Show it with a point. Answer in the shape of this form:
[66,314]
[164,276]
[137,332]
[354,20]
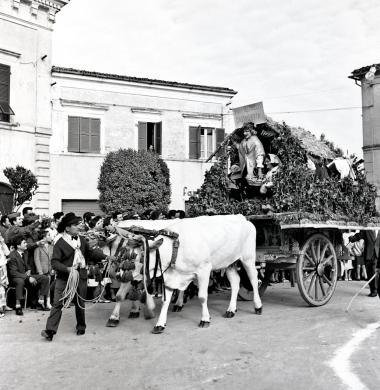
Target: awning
[6,109]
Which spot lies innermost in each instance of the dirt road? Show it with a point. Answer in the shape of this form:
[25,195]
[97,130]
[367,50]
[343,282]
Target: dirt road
[289,347]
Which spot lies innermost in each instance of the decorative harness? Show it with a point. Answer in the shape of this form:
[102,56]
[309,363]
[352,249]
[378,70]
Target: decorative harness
[151,234]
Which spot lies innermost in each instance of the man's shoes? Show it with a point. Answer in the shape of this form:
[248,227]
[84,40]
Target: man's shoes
[80,332]
[372,294]
[19,311]
[48,334]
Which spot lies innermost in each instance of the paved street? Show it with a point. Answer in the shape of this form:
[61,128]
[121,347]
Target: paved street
[288,347]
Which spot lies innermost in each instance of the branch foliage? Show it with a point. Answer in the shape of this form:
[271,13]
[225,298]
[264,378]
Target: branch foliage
[296,189]
[23,182]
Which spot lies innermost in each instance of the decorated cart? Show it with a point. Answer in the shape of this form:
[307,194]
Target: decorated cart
[315,196]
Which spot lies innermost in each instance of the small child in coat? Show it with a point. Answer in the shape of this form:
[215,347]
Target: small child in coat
[42,259]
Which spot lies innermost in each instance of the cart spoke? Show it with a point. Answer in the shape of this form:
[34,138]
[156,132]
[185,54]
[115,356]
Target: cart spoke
[324,251]
[309,258]
[322,287]
[318,251]
[327,280]
[311,283]
[328,259]
[315,258]
[316,288]
[307,276]
[309,269]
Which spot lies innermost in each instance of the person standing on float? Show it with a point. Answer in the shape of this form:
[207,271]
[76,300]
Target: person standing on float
[251,154]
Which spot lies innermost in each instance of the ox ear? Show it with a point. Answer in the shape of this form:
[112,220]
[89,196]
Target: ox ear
[155,244]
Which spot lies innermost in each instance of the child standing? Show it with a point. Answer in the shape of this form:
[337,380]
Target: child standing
[4,252]
[42,260]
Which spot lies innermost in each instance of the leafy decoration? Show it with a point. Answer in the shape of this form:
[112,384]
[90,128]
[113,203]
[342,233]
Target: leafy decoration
[296,192]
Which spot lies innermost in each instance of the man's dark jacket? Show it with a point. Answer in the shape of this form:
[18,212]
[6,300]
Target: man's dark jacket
[63,256]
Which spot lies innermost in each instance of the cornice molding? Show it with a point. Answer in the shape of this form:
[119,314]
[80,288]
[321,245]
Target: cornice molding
[52,6]
[145,110]
[10,53]
[82,104]
[196,115]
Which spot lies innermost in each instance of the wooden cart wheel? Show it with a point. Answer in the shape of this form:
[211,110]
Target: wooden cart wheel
[317,270]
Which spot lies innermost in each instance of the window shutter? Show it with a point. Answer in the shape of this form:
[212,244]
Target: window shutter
[5,110]
[73,136]
[194,142]
[158,137]
[219,138]
[5,75]
[94,135]
[142,144]
[84,138]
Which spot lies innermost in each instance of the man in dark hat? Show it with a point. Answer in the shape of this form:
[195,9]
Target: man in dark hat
[70,251]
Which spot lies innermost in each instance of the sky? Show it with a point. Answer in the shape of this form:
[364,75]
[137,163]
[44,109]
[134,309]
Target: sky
[293,55]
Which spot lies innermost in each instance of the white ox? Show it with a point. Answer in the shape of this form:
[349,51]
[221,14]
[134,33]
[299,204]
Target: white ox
[206,243]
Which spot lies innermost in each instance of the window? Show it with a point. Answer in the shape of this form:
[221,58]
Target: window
[84,135]
[150,135]
[203,141]
[5,78]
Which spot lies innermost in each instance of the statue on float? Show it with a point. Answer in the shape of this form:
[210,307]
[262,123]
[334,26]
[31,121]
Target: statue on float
[251,155]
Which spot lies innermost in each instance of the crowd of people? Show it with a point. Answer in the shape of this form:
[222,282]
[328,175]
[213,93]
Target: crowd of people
[38,254]
[27,276]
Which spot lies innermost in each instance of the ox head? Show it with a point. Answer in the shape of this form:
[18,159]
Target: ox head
[138,257]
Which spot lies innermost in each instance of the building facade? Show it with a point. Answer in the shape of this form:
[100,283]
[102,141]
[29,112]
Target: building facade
[95,113]
[25,77]
[368,78]
[60,123]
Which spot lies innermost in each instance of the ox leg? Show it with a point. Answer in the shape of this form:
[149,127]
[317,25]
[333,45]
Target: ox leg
[179,302]
[135,310]
[234,280]
[203,280]
[161,323]
[120,296]
[252,275]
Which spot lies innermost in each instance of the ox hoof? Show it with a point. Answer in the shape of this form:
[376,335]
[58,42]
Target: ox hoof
[158,329]
[134,314]
[204,324]
[112,323]
[177,308]
[229,314]
[259,311]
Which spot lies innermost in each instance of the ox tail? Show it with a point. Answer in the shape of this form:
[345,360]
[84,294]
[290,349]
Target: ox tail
[149,301]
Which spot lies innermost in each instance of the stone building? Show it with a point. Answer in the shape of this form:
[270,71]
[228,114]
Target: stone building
[25,77]
[368,78]
[94,113]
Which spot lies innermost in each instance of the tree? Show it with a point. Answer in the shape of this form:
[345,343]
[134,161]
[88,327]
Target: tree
[24,184]
[133,181]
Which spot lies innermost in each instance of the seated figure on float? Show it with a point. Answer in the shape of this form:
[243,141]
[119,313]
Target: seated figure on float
[272,164]
[251,155]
